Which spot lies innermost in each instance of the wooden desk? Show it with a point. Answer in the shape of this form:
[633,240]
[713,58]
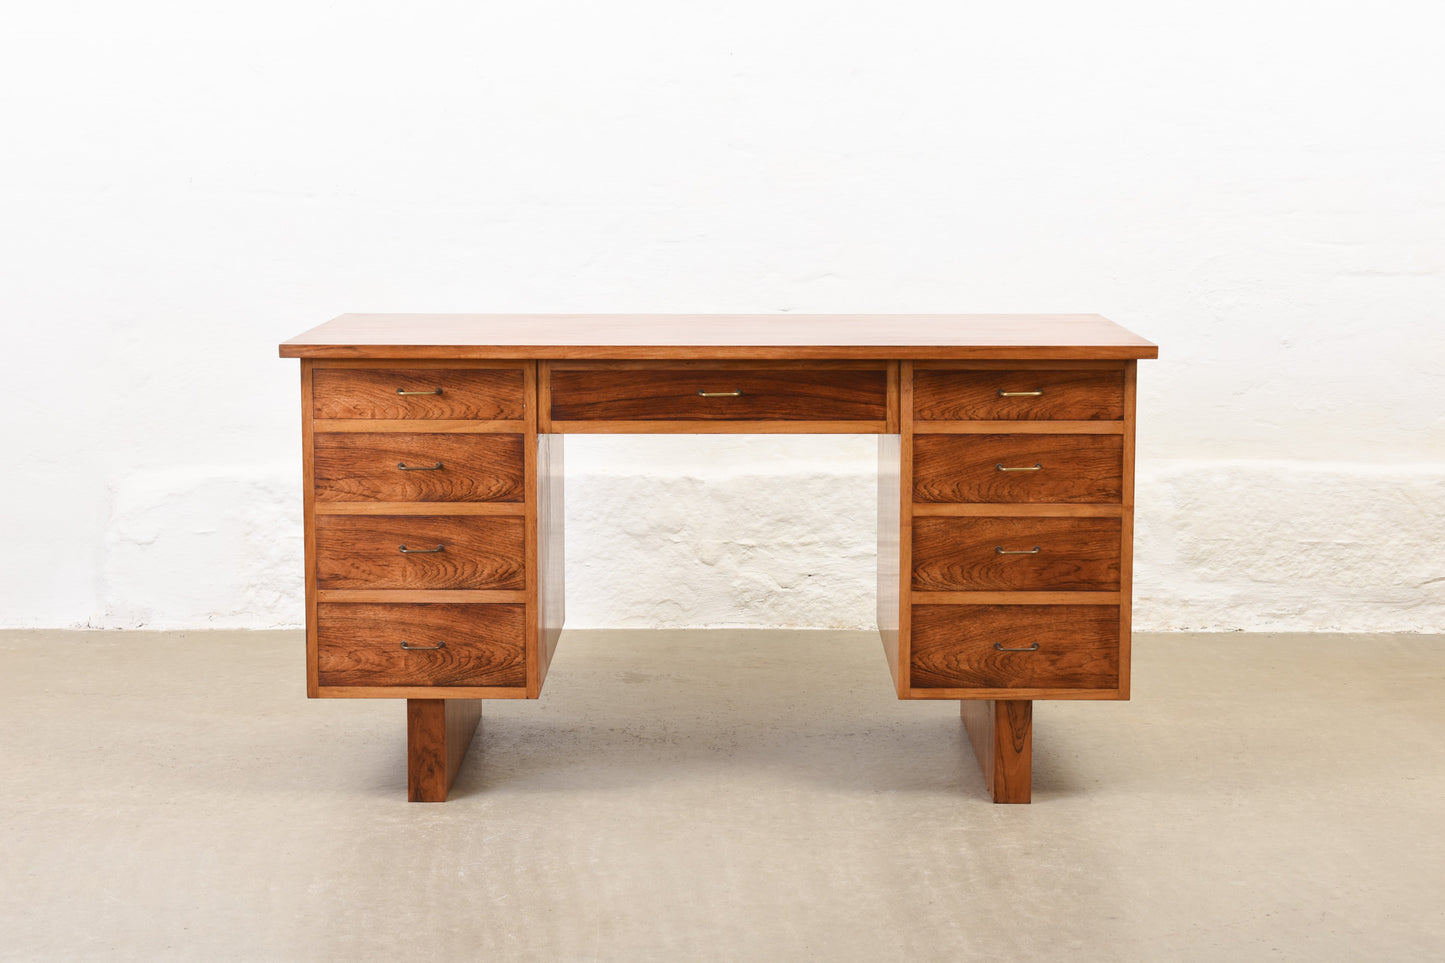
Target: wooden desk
[432,449]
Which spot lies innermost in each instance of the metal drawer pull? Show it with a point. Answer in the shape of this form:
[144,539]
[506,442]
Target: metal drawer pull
[427,551]
[718,394]
[997,551]
[1003,648]
[422,648]
[405,467]
[1018,394]
[1036,466]
[434,391]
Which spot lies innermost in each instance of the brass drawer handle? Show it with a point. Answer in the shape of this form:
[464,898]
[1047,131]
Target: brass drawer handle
[419,551]
[997,551]
[434,391]
[1036,467]
[1018,394]
[1003,648]
[405,467]
[718,394]
[422,648]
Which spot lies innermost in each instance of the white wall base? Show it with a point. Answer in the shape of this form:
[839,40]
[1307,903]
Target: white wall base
[772,532]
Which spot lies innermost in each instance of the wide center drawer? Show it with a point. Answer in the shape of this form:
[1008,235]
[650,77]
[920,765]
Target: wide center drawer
[1015,646]
[392,467]
[421,644]
[401,393]
[420,552]
[719,394]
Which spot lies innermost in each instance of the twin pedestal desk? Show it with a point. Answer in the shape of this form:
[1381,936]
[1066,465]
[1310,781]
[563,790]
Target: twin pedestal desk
[432,450]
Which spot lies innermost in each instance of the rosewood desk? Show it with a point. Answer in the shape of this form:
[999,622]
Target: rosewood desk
[432,448]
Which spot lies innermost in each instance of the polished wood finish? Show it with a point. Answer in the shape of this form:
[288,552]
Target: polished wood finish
[954,646]
[890,529]
[1067,395]
[1017,337]
[438,732]
[1002,733]
[1043,510]
[422,595]
[1126,533]
[359,644]
[1076,468]
[365,552]
[532,638]
[421,508]
[962,554]
[551,554]
[308,521]
[669,394]
[464,394]
[1014,597]
[363,467]
[430,426]
[930,386]
[1016,427]
[902,676]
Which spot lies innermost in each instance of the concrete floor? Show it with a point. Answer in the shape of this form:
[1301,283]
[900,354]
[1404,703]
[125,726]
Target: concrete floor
[721,796]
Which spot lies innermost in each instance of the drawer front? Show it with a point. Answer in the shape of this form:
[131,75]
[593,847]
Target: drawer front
[399,393]
[1057,646]
[368,467]
[419,552]
[360,644]
[1068,469]
[1023,395]
[719,394]
[988,553]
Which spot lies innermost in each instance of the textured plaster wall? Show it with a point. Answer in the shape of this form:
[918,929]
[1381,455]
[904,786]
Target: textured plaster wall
[1256,186]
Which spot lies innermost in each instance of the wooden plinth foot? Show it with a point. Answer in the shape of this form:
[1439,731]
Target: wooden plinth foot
[1002,733]
[438,732]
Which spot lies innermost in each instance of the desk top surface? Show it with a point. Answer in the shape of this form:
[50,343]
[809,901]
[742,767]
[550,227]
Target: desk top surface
[721,336]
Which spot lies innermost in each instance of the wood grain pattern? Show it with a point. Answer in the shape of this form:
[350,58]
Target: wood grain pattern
[438,732]
[359,644]
[531,623]
[364,552]
[961,554]
[665,394]
[1002,734]
[1020,510]
[1012,598]
[431,426]
[1086,395]
[1018,337]
[440,595]
[466,393]
[551,515]
[890,500]
[363,468]
[421,508]
[1009,427]
[906,436]
[954,646]
[1126,539]
[308,512]
[964,468]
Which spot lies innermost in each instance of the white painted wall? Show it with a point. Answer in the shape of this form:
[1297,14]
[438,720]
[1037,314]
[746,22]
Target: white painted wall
[1259,187]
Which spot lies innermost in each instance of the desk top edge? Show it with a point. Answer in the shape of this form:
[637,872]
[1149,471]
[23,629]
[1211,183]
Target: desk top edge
[720,336]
